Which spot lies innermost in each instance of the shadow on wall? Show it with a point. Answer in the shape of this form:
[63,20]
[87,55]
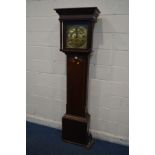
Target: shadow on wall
[98,40]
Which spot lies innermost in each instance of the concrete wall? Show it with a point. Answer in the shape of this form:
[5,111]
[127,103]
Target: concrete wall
[46,67]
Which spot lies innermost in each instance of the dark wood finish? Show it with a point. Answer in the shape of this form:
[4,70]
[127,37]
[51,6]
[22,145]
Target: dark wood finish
[75,123]
[78,15]
[60,35]
[76,130]
[77,84]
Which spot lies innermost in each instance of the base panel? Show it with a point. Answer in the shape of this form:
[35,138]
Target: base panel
[88,146]
[75,130]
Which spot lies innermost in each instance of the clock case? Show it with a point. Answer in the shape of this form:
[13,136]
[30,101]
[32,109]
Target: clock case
[76,121]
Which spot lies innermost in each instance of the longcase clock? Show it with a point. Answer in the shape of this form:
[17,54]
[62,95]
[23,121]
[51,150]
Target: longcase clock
[76,39]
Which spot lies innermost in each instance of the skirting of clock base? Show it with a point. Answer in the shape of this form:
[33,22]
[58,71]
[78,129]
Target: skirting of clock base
[88,146]
[75,130]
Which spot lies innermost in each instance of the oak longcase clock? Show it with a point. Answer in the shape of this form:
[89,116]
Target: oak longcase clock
[76,39]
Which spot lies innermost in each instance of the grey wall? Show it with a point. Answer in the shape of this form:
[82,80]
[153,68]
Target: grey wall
[46,70]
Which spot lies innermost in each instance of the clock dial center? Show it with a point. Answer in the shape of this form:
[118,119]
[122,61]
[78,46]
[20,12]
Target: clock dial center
[76,36]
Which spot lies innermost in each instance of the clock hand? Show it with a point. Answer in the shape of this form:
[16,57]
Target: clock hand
[76,32]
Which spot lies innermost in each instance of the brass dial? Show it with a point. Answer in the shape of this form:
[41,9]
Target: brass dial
[76,36]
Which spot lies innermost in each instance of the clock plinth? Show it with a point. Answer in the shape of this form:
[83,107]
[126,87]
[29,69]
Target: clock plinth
[75,129]
[76,31]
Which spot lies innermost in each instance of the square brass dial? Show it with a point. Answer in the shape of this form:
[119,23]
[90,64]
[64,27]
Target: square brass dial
[76,36]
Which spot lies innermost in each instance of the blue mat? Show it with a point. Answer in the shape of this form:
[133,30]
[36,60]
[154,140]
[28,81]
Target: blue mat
[42,140]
